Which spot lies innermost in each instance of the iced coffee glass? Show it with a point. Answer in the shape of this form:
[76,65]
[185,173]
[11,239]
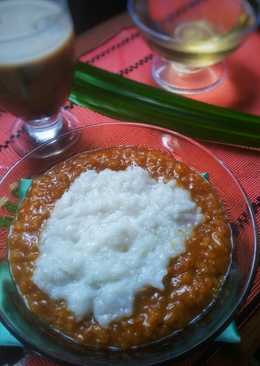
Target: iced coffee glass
[36,69]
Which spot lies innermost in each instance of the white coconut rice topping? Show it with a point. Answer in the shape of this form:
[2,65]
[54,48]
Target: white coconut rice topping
[109,236]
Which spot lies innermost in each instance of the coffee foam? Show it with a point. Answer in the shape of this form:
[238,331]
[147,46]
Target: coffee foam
[31,29]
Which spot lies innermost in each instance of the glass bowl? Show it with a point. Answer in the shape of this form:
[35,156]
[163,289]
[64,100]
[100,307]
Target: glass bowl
[191,38]
[37,338]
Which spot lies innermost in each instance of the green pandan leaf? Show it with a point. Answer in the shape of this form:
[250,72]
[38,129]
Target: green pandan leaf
[10,207]
[121,98]
[5,222]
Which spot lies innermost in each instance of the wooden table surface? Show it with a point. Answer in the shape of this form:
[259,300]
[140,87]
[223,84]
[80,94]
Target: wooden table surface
[224,355]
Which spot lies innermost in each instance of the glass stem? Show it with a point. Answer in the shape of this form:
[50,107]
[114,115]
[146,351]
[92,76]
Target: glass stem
[183,69]
[43,129]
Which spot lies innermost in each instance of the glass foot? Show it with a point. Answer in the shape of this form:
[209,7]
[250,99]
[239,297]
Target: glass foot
[30,135]
[177,78]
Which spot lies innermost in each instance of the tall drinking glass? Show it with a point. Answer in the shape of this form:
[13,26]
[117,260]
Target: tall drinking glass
[36,68]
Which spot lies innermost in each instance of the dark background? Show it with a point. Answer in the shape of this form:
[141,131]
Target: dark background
[87,13]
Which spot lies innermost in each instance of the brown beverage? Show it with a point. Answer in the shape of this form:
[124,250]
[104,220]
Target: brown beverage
[36,57]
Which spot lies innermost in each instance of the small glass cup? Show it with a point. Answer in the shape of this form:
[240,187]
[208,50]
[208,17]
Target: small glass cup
[191,37]
[36,69]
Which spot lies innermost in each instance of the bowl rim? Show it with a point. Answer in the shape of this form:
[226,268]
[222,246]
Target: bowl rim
[256,250]
[167,39]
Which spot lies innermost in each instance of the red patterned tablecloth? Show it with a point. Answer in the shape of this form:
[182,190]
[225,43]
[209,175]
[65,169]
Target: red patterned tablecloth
[127,54]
